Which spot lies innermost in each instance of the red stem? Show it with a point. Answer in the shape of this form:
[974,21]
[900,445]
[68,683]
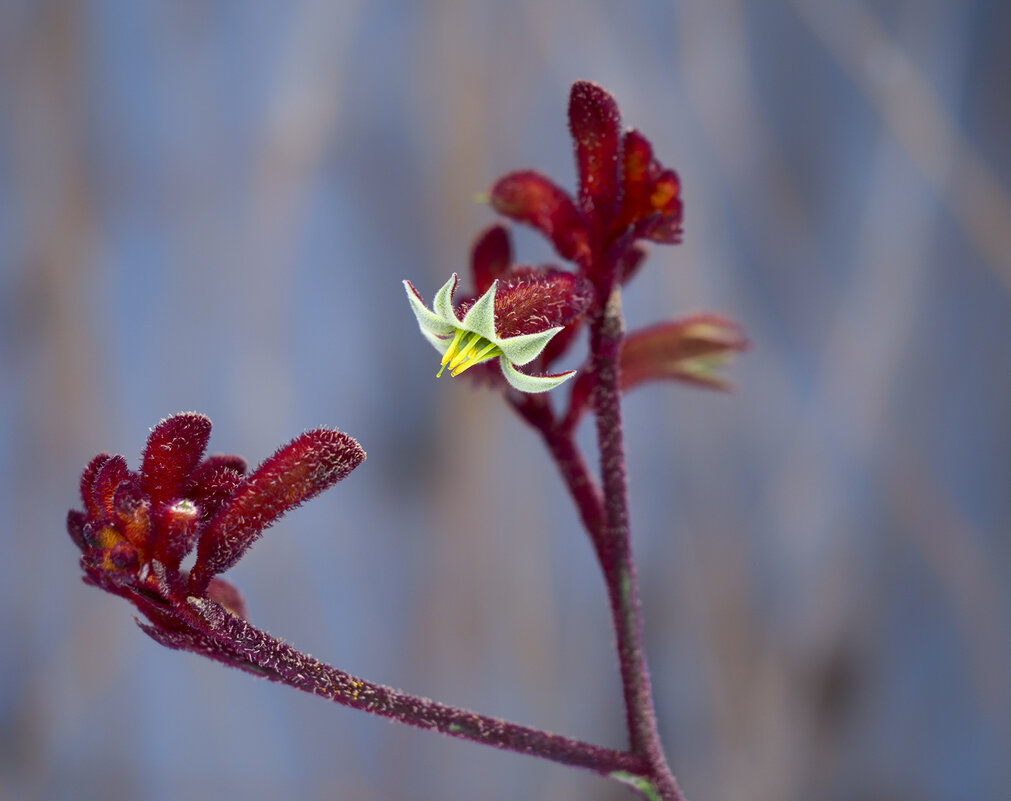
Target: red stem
[606,334]
[280,662]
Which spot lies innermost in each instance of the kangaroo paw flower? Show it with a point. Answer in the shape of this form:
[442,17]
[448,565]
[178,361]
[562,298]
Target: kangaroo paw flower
[512,321]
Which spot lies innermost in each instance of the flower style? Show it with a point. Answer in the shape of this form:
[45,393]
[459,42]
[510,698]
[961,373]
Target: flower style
[513,320]
[137,527]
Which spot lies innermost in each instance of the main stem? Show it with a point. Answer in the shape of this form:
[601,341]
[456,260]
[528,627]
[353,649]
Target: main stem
[615,549]
[251,648]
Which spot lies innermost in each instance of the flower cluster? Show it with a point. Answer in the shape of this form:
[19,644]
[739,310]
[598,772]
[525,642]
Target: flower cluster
[524,316]
[137,527]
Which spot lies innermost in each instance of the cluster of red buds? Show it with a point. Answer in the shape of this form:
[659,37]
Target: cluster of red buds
[522,315]
[137,527]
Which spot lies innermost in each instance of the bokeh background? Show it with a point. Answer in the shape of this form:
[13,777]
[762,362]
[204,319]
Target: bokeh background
[210,206]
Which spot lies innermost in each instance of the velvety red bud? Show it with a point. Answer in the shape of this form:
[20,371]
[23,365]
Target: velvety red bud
[594,121]
[92,509]
[534,199]
[637,180]
[227,595]
[110,475]
[127,498]
[173,450]
[532,300]
[75,527]
[209,489]
[692,349]
[660,228]
[123,556]
[217,460]
[132,508]
[491,257]
[651,195]
[300,470]
[178,526]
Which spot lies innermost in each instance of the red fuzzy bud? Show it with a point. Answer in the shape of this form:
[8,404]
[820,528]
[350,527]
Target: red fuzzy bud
[301,469]
[534,199]
[594,122]
[173,450]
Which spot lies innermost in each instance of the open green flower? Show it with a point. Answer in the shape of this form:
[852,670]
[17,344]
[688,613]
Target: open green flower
[512,321]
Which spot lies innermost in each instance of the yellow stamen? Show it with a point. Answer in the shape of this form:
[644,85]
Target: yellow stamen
[483,355]
[459,358]
[451,350]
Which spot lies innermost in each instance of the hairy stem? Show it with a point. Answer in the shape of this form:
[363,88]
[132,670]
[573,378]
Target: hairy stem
[606,336]
[279,662]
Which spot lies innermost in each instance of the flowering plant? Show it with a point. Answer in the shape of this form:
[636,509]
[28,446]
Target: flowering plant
[136,528]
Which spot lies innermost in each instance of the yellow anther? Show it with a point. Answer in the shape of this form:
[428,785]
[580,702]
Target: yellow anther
[482,355]
[451,350]
[459,358]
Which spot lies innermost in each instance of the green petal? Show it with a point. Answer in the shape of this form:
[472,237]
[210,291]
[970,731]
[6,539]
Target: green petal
[480,318]
[532,383]
[431,325]
[525,348]
[443,303]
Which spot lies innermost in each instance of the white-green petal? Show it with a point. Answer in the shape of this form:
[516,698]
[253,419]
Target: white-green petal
[430,324]
[525,348]
[480,318]
[442,305]
[531,383]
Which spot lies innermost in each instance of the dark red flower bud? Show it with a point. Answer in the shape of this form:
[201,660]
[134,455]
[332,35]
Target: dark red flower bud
[75,527]
[178,527]
[533,299]
[217,460]
[491,257]
[110,475]
[227,595]
[123,556]
[88,482]
[173,450]
[692,349]
[211,487]
[594,122]
[534,199]
[133,511]
[301,469]
[651,194]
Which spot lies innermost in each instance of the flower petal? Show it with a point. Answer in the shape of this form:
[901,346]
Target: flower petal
[431,325]
[442,305]
[532,383]
[526,347]
[480,317]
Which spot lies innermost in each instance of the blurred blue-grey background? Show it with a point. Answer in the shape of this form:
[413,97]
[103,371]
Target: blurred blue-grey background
[210,206]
